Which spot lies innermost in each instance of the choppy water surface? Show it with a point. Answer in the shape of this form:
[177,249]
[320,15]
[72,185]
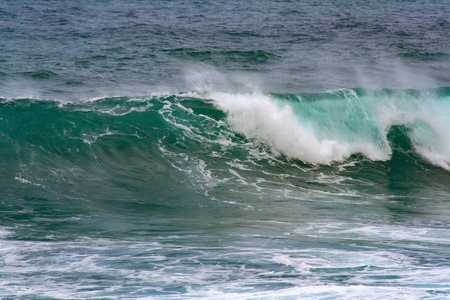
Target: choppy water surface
[224,150]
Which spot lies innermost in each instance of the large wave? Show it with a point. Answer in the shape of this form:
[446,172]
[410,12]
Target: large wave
[170,146]
[332,126]
[319,128]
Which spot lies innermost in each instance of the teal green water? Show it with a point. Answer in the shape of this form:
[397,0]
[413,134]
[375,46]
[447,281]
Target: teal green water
[202,195]
[224,149]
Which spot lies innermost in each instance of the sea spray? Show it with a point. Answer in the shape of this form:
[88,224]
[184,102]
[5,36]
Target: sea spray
[276,124]
[329,127]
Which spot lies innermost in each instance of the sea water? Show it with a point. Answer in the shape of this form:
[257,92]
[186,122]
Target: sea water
[224,149]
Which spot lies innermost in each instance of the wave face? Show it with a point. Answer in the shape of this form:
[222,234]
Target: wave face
[312,129]
[197,143]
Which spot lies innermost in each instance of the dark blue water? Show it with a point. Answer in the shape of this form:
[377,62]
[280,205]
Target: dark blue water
[224,149]
[76,50]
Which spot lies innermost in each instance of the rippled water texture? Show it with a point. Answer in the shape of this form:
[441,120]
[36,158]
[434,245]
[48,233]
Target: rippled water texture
[224,149]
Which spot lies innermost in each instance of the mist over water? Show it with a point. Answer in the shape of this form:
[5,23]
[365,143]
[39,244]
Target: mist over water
[224,149]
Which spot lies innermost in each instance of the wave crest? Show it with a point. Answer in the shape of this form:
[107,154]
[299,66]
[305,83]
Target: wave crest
[333,126]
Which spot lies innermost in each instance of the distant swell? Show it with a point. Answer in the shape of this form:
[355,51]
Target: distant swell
[255,57]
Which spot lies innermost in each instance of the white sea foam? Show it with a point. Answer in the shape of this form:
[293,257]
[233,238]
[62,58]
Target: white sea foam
[277,124]
[433,140]
[383,232]
[258,116]
[92,138]
[428,122]
[175,271]
[26,181]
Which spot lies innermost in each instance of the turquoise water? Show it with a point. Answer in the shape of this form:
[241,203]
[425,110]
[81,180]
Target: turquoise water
[224,150]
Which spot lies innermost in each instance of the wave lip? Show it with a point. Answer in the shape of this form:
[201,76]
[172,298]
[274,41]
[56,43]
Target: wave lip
[258,116]
[333,126]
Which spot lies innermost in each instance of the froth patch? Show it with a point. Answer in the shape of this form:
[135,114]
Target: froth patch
[276,124]
[426,118]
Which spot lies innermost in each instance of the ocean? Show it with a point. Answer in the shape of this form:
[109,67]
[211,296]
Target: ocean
[224,149]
